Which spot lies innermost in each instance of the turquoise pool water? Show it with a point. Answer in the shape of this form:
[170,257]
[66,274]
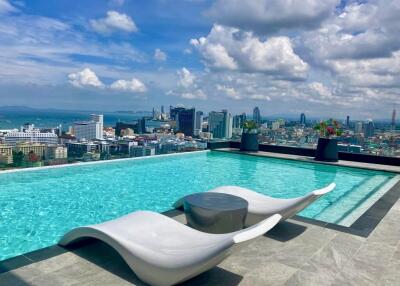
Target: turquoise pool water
[37,207]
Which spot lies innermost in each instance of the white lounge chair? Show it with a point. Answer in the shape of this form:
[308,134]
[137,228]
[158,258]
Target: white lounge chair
[162,251]
[262,206]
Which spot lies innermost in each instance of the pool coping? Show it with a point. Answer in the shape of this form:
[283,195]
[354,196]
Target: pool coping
[30,169]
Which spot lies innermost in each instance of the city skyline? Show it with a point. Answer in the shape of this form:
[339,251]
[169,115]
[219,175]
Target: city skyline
[328,58]
[291,116]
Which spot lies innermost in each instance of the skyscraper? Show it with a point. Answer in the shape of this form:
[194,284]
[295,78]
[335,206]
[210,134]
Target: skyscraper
[394,119]
[238,120]
[257,115]
[348,121]
[220,124]
[303,119]
[162,109]
[98,118]
[199,122]
[358,127]
[173,112]
[369,129]
[185,122]
[228,123]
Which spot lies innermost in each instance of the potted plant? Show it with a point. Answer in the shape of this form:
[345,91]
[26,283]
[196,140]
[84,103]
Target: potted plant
[327,149]
[249,140]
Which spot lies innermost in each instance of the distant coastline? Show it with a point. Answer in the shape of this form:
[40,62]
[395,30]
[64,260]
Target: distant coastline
[14,116]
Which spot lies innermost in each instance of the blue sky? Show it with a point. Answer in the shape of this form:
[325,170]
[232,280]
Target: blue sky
[324,58]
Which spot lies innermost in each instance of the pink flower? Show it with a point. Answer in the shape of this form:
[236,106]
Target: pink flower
[330,130]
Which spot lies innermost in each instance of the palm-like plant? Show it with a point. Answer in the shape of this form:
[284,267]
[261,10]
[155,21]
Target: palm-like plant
[250,126]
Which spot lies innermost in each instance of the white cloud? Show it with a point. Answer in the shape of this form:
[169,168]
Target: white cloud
[196,94]
[232,49]
[6,7]
[160,55]
[229,91]
[133,85]
[361,30]
[186,78]
[85,78]
[114,21]
[187,86]
[321,90]
[268,16]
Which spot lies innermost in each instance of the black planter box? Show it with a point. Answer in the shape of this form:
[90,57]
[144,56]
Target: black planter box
[249,142]
[327,150]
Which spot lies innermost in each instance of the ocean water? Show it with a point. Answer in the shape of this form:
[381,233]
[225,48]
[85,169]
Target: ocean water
[10,119]
[38,206]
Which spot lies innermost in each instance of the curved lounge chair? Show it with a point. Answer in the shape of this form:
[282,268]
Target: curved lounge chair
[262,206]
[162,251]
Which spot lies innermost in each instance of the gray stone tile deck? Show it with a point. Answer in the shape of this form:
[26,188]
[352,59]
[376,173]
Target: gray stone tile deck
[293,253]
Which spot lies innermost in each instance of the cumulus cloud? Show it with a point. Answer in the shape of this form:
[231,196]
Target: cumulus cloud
[187,86]
[268,16]
[360,49]
[88,78]
[196,94]
[160,55]
[229,91]
[186,78]
[6,7]
[133,85]
[114,21]
[85,78]
[361,30]
[232,49]
[320,90]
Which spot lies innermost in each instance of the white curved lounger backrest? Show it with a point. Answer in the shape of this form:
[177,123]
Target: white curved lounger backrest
[257,229]
[325,190]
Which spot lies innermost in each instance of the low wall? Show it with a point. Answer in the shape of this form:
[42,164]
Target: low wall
[365,158]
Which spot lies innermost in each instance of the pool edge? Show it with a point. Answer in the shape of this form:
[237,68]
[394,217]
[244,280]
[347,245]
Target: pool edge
[98,162]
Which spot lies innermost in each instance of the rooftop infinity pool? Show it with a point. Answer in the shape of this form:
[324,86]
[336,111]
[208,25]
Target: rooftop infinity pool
[38,206]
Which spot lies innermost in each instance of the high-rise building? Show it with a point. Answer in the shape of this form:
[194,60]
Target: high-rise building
[173,112]
[348,121]
[162,109]
[216,123]
[358,128]
[369,129]
[220,124]
[303,119]
[199,123]
[394,119]
[257,115]
[185,122]
[228,123]
[238,120]
[89,130]
[98,118]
